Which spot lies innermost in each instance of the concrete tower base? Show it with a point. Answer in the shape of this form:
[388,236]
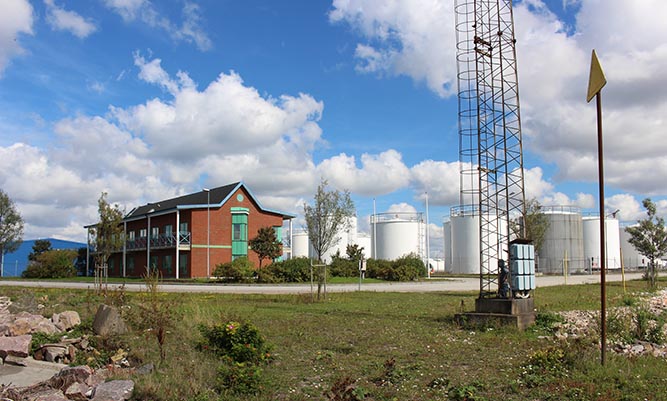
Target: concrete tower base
[518,312]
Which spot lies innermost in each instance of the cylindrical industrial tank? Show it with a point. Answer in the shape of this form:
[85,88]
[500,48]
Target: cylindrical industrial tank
[447,235]
[631,257]
[563,241]
[591,230]
[300,244]
[398,234]
[364,241]
[464,222]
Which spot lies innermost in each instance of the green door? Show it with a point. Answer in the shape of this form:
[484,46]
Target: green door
[239,235]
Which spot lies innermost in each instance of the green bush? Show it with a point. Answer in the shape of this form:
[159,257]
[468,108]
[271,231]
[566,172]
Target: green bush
[239,377]
[296,270]
[342,267]
[242,349]
[406,268]
[241,342]
[56,263]
[377,268]
[266,275]
[239,270]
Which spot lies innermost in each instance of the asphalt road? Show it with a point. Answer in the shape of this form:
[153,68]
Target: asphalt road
[435,285]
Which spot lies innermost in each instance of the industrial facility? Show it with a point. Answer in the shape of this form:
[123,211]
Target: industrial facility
[571,244]
[392,236]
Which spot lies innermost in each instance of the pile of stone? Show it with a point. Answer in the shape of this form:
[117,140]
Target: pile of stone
[63,351]
[78,383]
[16,332]
[578,324]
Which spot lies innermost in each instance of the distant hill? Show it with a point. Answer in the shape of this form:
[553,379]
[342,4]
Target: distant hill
[16,262]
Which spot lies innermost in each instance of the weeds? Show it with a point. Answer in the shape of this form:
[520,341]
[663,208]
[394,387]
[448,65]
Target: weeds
[157,315]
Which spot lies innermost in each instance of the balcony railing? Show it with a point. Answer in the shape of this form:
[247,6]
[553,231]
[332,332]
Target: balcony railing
[166,240]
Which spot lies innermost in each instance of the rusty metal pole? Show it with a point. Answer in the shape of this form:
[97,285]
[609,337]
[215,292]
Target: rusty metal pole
[603,258]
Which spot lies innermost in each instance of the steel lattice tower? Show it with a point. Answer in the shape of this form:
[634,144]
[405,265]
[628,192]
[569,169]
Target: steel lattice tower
[490,148]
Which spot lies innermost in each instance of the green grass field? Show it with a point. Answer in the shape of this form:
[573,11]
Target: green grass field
[378,346]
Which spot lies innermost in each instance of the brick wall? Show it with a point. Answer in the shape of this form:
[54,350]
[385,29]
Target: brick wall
[197,219]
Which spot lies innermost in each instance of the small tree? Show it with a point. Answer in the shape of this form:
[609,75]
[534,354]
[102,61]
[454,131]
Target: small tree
[11,228]
[266,245]
[649,238]
[532,225]
[40,246]
[330,213]
[107,235]
[354,252]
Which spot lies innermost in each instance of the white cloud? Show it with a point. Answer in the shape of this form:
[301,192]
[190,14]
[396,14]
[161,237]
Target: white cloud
[401,208]
[416,39]
[379,174]
[141,153]
[440,179]
[64,20]
[226,118]
[127,9]
[16,18]
[410,38]
[534,184]
[190,30]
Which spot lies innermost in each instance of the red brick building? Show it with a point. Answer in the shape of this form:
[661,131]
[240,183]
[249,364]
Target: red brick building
[187,236]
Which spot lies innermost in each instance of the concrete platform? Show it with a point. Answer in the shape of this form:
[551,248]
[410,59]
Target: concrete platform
[22,372]
[490,312]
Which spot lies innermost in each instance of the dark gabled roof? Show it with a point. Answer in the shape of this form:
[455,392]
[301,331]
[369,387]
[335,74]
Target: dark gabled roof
[200,199]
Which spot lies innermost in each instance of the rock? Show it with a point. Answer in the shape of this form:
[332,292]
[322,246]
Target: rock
[637,349]
[116,390]
[15,346]
[77,392]
[69,375]
[108,321]
[45,394]
[26,323]
[66,320]
[144,369]
[54,353]
[5,302]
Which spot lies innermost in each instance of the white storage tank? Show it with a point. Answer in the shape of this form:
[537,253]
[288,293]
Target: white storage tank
[300,244]
[631,257]
[398,234]
[563,241]
[591,230]
[447,236]
[347,234]
[364,241]
[464,222]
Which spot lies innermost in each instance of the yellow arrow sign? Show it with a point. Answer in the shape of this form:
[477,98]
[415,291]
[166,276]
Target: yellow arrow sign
[596,80]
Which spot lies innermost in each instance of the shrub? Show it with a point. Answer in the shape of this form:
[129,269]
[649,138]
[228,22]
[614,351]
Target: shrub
[341,267]
[52,264]
[241,342]
[406,268]
[296,270]
[242,349]
[239,270]
[239,377]
[377,268]
[267,276]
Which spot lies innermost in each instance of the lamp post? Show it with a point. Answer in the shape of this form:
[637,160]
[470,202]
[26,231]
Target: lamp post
[208,232]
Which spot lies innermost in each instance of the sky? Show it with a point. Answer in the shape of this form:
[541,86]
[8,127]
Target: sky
[147,100]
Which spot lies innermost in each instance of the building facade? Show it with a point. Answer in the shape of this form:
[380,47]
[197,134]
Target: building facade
[188,236]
